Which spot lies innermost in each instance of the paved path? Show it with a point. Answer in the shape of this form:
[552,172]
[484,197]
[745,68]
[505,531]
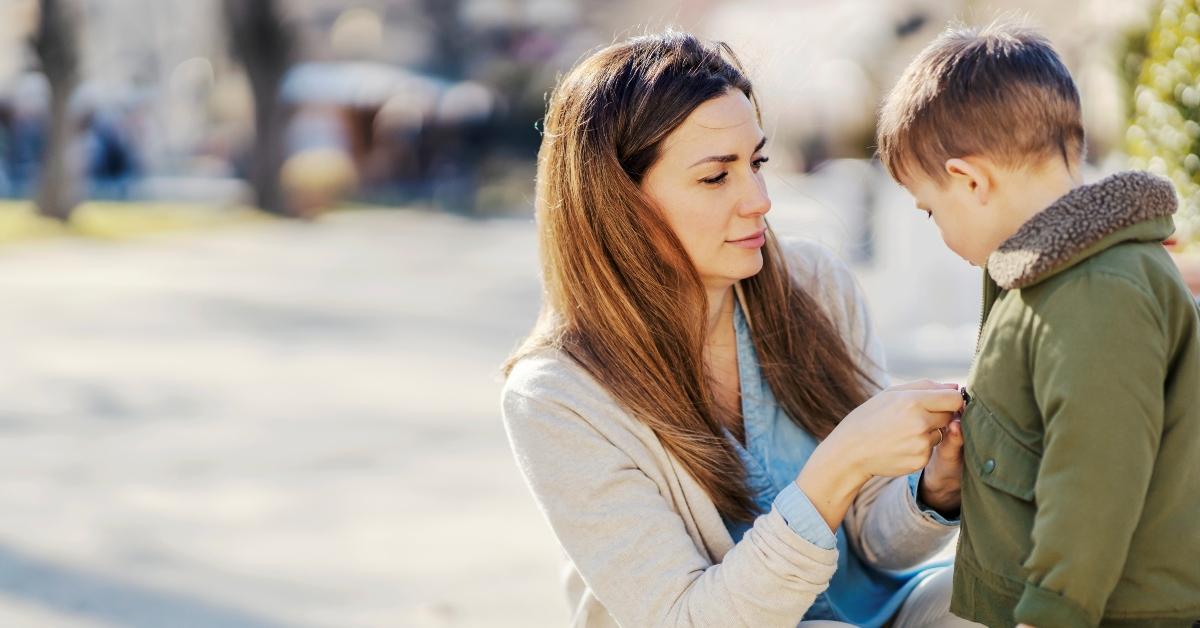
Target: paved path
[281,425]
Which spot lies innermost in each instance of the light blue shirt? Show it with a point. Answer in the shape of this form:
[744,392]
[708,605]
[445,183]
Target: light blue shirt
[776,449]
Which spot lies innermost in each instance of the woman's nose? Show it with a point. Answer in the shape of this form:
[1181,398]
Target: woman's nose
[755,202]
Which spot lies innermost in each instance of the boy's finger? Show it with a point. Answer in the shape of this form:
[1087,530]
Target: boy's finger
[954,431]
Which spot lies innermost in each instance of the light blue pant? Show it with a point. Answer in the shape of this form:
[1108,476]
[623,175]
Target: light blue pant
[927,606]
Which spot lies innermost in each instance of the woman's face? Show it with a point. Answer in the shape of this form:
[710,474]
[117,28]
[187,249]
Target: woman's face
[708,186]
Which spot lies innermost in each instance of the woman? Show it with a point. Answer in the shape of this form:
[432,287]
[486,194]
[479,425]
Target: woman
[693,409]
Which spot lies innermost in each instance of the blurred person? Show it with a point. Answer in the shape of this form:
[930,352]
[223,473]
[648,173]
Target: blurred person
[319,170]
[5,148]
[28,134]
[1190,268]
[1079,499]
[699,410]
[460,135]
[396,131]
[111,157]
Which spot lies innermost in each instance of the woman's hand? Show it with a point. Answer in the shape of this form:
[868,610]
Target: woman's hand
[894,432]
[891,434]
[941,483]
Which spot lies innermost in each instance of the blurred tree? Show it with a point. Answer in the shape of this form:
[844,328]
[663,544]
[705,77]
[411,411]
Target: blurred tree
[265,43]
[1164,134]
[56,44]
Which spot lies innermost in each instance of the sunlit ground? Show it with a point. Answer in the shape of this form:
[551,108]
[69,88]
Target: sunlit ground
[280,424]
[19,220]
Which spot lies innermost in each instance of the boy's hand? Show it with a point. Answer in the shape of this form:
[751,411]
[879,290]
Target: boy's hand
[941,483]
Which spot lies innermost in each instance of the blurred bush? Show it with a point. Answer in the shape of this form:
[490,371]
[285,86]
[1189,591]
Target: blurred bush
[1164,133]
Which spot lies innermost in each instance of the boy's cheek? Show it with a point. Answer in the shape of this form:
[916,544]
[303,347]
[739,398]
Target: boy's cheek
[957,247]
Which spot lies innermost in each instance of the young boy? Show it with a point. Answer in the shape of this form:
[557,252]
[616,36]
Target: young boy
[1081,481]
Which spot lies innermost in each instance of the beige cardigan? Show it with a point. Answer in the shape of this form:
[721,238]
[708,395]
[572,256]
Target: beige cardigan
[644,543]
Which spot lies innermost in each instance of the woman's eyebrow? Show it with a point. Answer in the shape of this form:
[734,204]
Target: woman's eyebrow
[724,159]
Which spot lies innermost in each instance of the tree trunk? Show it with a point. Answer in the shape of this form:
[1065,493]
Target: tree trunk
[264,42]
[56,46]
[267,161]
[57,190]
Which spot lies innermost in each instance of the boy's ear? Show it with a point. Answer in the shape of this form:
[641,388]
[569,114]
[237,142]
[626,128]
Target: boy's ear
[974,175]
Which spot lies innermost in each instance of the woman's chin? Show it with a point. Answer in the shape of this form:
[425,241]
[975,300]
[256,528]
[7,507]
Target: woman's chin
[733,271]
[749,267]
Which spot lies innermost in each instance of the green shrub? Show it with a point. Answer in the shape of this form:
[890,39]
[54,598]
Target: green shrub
[1164,132]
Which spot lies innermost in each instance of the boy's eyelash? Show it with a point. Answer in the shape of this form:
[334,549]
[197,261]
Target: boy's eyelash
[720,178]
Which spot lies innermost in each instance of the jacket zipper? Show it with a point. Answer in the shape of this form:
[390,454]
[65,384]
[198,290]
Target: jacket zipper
[991,292]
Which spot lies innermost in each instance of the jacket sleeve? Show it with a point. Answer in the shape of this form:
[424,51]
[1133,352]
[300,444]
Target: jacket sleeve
[632,547]
[884,524]
[1098,365]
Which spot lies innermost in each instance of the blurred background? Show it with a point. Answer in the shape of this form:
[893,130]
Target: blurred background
[260,261]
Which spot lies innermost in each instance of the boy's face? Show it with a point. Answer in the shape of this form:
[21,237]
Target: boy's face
[979,204]
[956,208]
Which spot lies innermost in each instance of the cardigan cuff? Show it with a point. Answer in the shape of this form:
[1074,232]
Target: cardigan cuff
[802,517]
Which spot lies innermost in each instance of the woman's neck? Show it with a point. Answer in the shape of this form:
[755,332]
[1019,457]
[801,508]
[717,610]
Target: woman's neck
[720,316]
[720,360]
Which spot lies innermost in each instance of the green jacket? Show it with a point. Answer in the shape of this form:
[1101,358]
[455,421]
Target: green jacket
[1081,487]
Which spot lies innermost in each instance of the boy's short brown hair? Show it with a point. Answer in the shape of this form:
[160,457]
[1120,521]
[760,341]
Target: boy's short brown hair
[1000,91]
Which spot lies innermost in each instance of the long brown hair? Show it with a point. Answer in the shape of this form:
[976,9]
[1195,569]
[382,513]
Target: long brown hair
[623,299]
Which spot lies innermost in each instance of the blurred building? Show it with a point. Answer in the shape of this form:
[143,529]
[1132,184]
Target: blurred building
[424,98]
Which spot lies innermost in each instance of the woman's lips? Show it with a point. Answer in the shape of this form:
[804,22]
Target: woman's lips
[752,242]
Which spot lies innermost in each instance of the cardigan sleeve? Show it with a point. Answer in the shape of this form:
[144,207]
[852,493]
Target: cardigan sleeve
[631,546]
[885,524]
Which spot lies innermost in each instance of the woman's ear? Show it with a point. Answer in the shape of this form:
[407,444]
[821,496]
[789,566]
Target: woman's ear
[974,175]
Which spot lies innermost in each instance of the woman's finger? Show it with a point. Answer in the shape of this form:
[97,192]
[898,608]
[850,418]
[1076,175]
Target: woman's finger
[936,437]
[952,444]
[940,401]
[924,384]
[935,421]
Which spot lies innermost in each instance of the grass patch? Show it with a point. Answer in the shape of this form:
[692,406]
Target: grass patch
[19,220]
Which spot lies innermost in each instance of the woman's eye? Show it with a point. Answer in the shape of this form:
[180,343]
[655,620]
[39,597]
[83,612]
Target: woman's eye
[720,178]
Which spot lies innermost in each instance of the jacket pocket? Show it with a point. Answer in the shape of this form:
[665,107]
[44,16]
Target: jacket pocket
[995,456]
